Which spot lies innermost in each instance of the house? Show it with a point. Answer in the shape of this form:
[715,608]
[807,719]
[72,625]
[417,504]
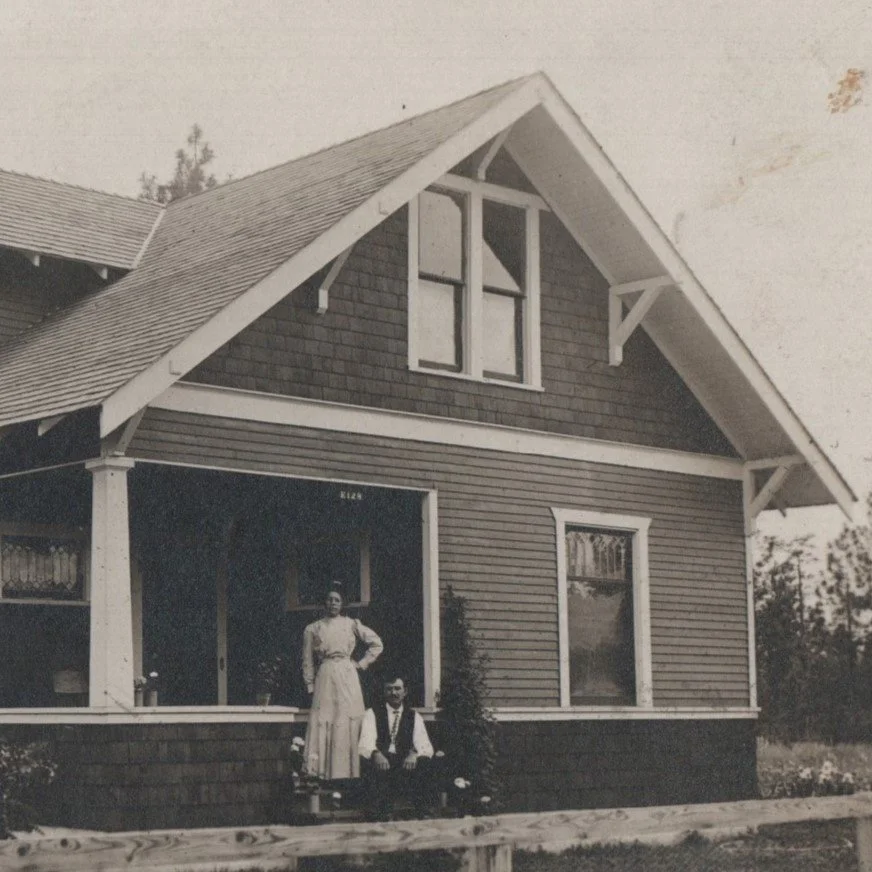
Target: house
[455,351]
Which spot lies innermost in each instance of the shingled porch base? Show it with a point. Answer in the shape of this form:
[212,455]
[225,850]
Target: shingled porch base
[159,776]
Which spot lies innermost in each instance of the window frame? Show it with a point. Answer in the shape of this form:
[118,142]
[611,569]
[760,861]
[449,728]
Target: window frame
[637,526]
[50,531]
[360,537]
[472,308]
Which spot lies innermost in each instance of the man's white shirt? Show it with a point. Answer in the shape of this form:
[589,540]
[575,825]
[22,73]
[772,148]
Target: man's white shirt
[368,734]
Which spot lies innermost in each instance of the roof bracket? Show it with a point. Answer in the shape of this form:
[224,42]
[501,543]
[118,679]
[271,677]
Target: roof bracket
[101,269]
[117,442]
[620,328]
[46,424]
[756,502]
[32,256]
[495,146]
[324,290]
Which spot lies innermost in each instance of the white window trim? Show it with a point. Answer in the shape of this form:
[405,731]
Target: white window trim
[638,526]
[472,368]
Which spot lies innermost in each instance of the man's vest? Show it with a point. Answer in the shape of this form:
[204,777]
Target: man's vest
[405,730]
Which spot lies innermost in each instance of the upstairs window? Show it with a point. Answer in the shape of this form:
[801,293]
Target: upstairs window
[474,282]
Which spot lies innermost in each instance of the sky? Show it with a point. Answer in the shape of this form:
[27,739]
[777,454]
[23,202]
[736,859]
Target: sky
[718,114]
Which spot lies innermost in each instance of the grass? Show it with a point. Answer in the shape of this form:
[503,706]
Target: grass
[824,847]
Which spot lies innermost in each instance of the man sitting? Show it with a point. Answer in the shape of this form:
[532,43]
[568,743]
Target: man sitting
[397,752]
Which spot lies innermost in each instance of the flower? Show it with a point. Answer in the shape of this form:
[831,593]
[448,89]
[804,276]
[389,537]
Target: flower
[268,673]
[336,795]
[485,800]
[140,682]
[298,742]
[439,754]
[461,783]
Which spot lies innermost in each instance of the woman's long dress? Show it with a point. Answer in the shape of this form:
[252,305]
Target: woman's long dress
[337,702]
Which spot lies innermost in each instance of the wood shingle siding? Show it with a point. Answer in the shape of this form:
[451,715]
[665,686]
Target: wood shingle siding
[497,544]
[356,353]
[28,294]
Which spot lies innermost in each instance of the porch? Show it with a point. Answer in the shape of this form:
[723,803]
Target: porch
[222,572]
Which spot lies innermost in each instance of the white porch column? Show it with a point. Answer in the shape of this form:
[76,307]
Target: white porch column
[111,674]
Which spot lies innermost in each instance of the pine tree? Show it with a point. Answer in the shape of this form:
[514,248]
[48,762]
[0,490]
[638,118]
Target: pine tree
[783,624]
[189,177]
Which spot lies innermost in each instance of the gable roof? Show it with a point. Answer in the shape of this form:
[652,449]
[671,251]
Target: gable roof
[220,259]
[74,223]
[207,251]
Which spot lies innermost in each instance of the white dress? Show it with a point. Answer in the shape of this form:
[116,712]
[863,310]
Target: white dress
[337,702]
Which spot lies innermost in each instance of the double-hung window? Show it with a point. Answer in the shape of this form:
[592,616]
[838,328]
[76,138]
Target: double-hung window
[605,642]
[474,282]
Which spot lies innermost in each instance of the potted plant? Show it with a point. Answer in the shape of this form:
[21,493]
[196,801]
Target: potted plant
[139,685]
[151,689]
[267,677]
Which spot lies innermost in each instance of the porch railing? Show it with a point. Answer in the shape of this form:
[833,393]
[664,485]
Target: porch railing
[487,842]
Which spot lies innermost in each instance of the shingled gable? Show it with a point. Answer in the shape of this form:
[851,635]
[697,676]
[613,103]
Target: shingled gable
[263,235]
[221,259]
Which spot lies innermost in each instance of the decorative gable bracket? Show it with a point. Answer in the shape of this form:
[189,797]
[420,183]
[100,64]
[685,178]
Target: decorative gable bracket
[324,291]
[757,500]
[620,327]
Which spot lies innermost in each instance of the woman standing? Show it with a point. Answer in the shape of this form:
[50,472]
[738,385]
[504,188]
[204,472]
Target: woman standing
[331,677]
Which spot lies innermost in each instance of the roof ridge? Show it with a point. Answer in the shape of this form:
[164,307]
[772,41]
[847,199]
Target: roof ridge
[224,185]
[36,178]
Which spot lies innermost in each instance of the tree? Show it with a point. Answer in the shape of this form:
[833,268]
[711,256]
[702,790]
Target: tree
[190,175]
[783,635]
[847,594]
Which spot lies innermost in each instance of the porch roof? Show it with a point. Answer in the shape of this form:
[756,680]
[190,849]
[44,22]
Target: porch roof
[221,259]
[46,217]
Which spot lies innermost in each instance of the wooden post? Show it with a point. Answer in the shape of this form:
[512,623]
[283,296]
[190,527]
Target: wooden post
[136,606]
[111,675]
[221,622]
[864,844]
[491,858]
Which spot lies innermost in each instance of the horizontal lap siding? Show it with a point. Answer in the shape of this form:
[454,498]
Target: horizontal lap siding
[497,546]
[356,352]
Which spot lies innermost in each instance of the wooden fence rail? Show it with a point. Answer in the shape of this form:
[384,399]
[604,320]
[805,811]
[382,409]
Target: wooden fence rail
[487,841]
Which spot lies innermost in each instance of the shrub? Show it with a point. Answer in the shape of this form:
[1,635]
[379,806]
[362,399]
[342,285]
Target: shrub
[468,728]
[25,770]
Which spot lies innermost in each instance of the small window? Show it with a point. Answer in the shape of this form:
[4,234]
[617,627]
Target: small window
[43,564]
[473,282]
[603,592]
[321,559]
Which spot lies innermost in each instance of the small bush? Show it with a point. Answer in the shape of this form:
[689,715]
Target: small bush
[468,729]
[25,770]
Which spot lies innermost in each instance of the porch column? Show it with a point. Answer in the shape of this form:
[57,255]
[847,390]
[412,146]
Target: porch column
[111,673]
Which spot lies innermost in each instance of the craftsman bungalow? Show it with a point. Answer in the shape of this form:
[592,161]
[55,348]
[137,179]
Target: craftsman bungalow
[456,351]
